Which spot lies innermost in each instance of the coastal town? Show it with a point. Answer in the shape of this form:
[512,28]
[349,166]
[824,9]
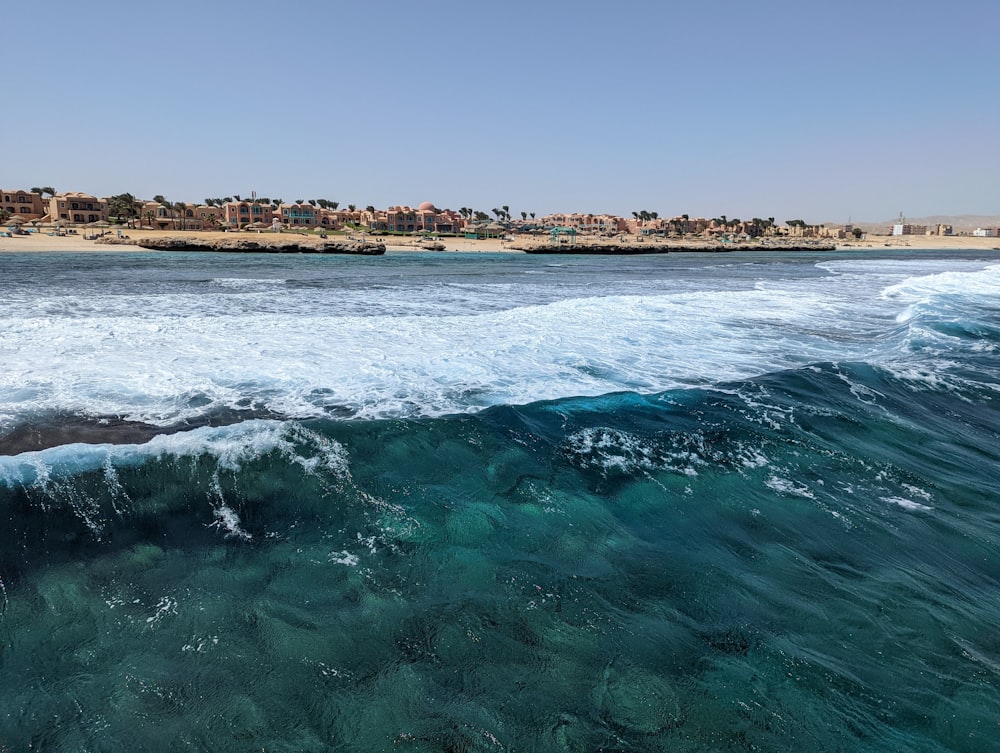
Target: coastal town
[45,210]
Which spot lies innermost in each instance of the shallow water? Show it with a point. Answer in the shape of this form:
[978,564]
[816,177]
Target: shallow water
[443,502]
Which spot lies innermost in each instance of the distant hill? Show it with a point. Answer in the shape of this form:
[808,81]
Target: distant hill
[962,223]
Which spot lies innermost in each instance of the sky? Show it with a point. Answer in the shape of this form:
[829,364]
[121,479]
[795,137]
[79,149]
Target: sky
[819,110]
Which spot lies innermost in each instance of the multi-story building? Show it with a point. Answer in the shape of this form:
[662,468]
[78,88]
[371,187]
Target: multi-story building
[23,204]
[424,219]
[587,223]
[237,214]
[299,215]
[77,208]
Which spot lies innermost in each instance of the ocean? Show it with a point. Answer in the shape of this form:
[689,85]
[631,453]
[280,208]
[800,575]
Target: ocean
[500,502]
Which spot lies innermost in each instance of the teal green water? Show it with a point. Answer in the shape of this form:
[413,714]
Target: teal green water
[780,566]
[692,503]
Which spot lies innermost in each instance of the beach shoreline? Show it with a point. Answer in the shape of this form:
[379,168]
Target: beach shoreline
[42,243]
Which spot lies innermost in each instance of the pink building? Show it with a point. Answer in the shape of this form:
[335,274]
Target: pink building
[424,219]
[238,214]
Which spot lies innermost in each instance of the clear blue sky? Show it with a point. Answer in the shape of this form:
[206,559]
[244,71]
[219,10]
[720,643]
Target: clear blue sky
[818,110]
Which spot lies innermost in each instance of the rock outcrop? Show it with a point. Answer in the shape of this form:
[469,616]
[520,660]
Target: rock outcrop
[259,244]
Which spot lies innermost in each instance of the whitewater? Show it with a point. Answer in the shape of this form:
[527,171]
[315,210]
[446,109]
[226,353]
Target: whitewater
[434,501]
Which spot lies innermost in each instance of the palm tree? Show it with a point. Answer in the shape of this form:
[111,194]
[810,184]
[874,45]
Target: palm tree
[180,207]
[532,214]
[150,216]
[351,207]
[524,216]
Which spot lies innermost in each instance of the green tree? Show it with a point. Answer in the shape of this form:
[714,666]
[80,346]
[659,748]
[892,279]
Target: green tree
[123,206]
[351,207]
[524,216]
[180,208]
[4,215]
[857,233]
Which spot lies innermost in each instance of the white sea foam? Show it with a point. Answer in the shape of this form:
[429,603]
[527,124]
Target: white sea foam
[382,350]
[907,504]
[244,282]
[231,446]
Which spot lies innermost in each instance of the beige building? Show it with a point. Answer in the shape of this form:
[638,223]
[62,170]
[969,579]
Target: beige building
[77,208]
[586,223]
[23,204]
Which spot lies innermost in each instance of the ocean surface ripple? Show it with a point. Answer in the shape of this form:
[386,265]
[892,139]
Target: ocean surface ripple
[432,502]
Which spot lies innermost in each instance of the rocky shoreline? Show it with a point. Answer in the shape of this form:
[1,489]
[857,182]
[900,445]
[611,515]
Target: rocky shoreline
[632,249]
[266,244]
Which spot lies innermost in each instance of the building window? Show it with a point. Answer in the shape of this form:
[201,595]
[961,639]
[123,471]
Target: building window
[25,210]
[77,218]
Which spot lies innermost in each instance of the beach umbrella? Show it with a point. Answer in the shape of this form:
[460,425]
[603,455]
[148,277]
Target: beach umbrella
[16,221]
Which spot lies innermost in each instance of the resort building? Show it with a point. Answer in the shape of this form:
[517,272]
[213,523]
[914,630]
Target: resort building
[984,232]
[424,219]
[605,224]
[902,228]
[77,208]
[238,214]
[299,215]
[24,204]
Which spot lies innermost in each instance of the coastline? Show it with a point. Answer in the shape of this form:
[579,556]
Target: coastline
[42,243]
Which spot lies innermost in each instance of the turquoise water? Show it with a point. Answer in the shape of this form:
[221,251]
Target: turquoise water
[753,506]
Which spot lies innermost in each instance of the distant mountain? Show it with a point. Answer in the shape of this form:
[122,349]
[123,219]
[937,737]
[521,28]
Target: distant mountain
[962,223]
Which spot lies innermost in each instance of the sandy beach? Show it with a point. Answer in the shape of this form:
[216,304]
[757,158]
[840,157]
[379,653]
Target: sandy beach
[40,242]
